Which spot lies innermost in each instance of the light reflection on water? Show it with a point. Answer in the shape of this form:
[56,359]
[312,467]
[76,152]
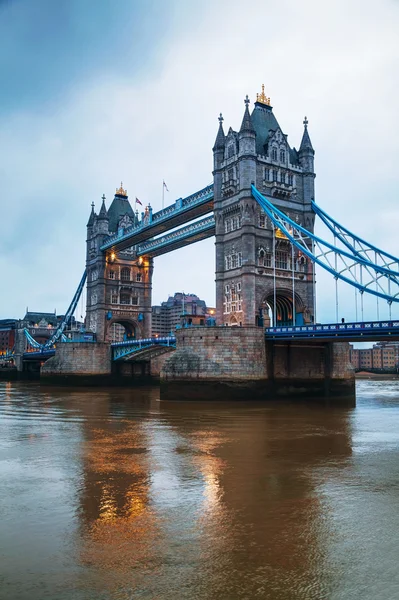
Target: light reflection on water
[112,494]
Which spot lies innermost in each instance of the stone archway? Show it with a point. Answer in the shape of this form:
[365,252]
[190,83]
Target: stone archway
[122,329]
[284,310]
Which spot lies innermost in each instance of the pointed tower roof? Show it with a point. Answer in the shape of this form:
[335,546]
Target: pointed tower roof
[220,138]
[103,211]
[306,144]
[92,215]
[120,206]
[247,125]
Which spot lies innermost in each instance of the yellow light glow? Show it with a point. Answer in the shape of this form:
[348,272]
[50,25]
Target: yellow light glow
[140,260]
[113,256]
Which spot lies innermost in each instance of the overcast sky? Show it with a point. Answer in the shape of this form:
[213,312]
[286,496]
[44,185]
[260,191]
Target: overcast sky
[95,92]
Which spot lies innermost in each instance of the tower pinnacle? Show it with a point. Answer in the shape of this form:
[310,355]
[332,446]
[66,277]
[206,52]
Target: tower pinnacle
[220,138]
[247,124]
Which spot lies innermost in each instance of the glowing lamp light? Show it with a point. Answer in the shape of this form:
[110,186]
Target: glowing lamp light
[140,260]
[113,256]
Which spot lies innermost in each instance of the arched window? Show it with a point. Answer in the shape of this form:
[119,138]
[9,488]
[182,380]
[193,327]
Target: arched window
[261,257]
[290,179]
[111,274]
[267,174]
[282,156]
[274,153]
[125,298]
[114,298]
[274,175]
[138,277]
[282,176]
[230,151]
[125,275]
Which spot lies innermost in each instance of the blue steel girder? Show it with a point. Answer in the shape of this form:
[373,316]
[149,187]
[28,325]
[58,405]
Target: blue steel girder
[349,267]
[121,350]
[356,244]
[182,211]
[200,230]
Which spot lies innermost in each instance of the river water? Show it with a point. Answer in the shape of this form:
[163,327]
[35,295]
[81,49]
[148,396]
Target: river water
[110,494]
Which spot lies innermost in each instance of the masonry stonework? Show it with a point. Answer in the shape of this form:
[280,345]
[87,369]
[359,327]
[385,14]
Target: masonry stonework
[236,363]
[81,362]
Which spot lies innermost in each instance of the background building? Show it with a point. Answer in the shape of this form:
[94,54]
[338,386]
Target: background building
[383,356]
[179,310]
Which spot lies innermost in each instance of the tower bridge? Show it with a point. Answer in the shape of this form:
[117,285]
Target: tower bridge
[261,210]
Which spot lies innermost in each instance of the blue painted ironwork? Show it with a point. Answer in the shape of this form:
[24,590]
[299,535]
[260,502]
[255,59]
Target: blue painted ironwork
[356,244]
[39,354]
[127,348]
[31,340]
[181,206]
[367,329]
[68,315]
[189,233]
[350,267]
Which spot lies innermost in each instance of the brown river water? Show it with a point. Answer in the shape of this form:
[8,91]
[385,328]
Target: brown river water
[111,494]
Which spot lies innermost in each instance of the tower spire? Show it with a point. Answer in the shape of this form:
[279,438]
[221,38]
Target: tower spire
[220,138]
[247,124]
[92,215]
[103,211]
[306,144]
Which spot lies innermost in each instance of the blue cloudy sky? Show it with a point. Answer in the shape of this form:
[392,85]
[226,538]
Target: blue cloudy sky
[95,92]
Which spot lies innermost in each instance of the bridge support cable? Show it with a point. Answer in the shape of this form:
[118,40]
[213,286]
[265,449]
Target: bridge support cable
[31,340]
[356,244]
[68,315]
[374,279]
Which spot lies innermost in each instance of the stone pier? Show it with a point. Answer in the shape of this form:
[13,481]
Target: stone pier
[83,363]
[235,363]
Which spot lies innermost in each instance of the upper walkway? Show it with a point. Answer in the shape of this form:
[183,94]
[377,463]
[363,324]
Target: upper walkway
[182,211]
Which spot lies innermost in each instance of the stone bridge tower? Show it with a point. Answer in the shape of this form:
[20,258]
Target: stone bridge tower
[118,284]
[259,276]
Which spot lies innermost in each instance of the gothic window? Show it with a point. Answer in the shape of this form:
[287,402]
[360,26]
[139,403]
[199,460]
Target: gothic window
[261,258]
[233,294]
[111,274]
[138,277]
[135,300]
[239,302]
[125,299]
[227,289]
[230,174]
[290,179]
[227,226]
[274,175]
[125,275]
[239,287]
[230,151]
[282,156]
[239,259]
[282,176]
[281,260]
[262,220]
[234,261]
[274,153]
[267,174]
[114,298]
[94,275]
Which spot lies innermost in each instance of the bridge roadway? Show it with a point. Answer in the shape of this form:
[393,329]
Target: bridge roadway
[183,210]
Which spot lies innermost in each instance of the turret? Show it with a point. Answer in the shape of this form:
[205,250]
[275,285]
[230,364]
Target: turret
[90,222]
[219,147]
[306,160]
[306,152]
[102,219]
[247,150]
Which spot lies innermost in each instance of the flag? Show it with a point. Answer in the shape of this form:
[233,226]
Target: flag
[165,186]
[138,202]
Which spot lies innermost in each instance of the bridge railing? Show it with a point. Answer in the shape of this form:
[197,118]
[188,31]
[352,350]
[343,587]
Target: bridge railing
[334,329]
[128,347]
